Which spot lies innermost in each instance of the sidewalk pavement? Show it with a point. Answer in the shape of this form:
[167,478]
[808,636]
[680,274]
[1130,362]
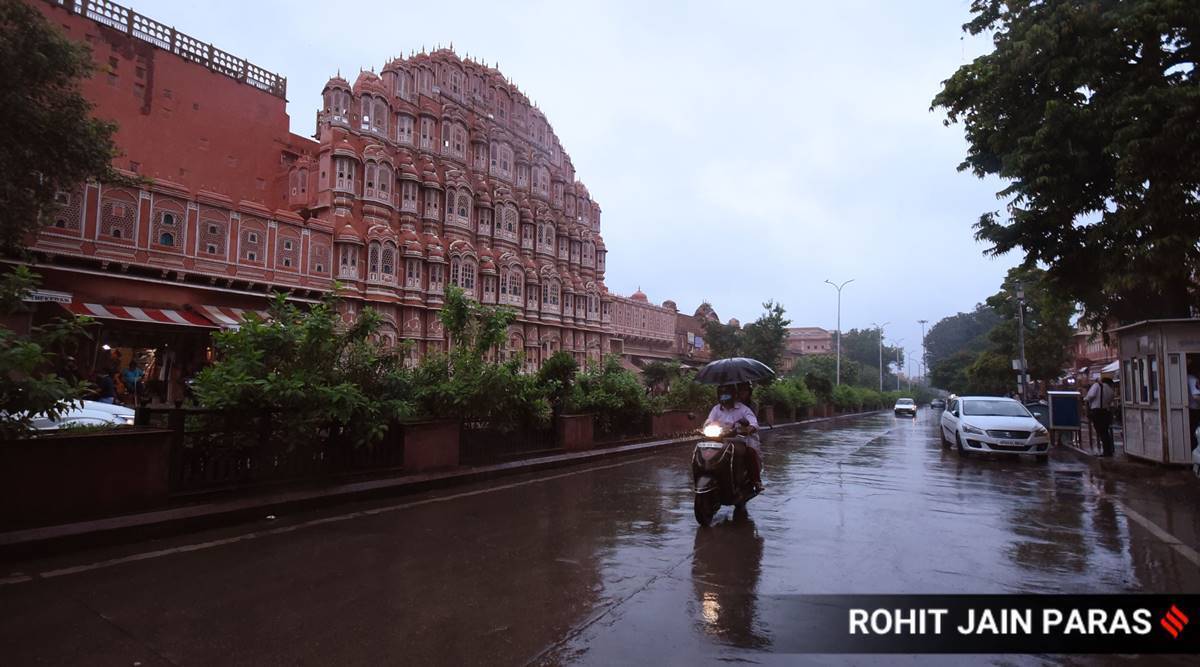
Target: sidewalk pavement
[255,505]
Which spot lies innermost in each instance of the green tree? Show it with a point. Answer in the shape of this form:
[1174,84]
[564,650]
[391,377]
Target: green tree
[613,394]
[765,339]
[960,332]
[52,143]
[820,371]
[862,346]
[660,373]
[1091,113]
[1048,327]
[27,363]
[723,340]
[557,376]
[950,373]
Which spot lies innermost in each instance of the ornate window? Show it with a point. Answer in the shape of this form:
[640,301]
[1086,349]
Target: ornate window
[344,169]
[464,205]
[288,253]
[485,221]
[412,273]
[408,196]
[167,228]
[251,245]
[389,261]
[404,129]
[379,121]
[319,258]
[432,209]
[403,84]
[550,293]
[455,270]
[212,235]
[435,277]
[348,262]
[468,275]
[373,260]
[522,176]
[589,253]
[426,133]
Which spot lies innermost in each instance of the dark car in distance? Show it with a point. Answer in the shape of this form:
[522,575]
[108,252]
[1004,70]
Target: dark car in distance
[937,404]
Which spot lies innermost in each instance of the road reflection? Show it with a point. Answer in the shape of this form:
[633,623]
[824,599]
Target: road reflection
[726,566]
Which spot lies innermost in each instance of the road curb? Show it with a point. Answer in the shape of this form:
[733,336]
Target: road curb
[176,520]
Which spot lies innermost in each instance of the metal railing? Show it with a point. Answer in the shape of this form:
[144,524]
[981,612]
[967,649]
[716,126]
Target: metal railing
[215,450]
[167,38]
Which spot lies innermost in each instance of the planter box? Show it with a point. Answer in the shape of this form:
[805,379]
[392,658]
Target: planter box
[767,415]
[672,422]
[430,445]
[575,432]
[72,477]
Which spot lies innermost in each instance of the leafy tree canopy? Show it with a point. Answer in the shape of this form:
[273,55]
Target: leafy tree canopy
[964,332]
[763,339]
[51,142]
[1091,113]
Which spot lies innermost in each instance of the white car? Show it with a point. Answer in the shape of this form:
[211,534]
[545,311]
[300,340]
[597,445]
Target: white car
[995,425]
[86,413]
[905,406]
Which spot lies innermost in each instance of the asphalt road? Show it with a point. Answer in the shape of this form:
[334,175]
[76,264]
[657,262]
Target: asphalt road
[604,564]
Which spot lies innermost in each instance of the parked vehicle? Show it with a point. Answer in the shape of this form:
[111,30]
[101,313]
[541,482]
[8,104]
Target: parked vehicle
[720,473]
[905,406]
[937,404]
[995,425]
[86,413]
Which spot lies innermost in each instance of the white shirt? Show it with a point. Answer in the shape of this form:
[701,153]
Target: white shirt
[727,418]
[1099,396]
[1193,393]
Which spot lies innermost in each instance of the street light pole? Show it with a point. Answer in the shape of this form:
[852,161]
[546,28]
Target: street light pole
[1021,340]
[924,352]
[879,329]
[898,363]
[839,326]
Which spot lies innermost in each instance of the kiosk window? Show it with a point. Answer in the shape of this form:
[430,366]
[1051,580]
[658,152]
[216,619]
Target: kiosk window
[1127,369]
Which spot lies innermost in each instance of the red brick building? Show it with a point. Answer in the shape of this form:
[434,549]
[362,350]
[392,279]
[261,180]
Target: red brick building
[803,341]
[435,171]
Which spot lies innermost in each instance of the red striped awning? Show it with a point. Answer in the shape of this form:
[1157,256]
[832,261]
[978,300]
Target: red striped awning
[230,318]
[146,315]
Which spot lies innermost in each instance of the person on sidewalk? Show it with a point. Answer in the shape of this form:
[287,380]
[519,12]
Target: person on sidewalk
[1099,401]
[731,413]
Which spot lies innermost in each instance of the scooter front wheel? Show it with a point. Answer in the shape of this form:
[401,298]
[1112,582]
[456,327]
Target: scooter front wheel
[706,507]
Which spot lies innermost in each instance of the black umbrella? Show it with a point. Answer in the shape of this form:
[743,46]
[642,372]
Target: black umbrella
[733,371]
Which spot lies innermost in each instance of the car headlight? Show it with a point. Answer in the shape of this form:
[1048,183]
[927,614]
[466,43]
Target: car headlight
[129,421]
[1040,430]
[967,428]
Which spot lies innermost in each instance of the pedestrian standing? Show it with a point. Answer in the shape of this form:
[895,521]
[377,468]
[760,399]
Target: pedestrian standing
[1193,384]
[106,389]
[1099,401]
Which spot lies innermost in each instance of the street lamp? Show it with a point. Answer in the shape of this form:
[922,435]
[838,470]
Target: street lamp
[924,352]
[839,326]
[898,344]
[879,327]
[1021,340]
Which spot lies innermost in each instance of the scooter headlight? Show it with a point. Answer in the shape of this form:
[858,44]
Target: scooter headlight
[713,431]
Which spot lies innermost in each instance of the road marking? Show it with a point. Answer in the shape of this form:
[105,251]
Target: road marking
[1167,538]
[200,546]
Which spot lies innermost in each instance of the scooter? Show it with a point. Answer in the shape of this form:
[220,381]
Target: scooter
[720,472]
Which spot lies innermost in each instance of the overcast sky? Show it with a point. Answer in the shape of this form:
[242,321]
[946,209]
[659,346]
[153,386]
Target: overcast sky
[739,151]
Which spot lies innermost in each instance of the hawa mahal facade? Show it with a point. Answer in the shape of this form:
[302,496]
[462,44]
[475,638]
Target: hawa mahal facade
[435,171]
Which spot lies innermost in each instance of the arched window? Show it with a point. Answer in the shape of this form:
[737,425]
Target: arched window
[515,283]
[404,129]
[464,205]
[373,258]
[455,267]
[344,168]
[468,274]
[503,283]
[384,185]
[510,218]
[449,203]
[371,172]
[408,196]
[389,259]
[379,122]
[167,239]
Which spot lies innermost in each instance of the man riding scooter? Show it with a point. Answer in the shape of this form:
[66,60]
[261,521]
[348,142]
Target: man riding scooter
[731,414]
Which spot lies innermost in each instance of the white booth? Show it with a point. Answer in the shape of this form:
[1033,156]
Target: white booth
[1155,355]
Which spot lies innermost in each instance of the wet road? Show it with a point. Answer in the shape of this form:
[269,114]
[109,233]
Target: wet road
[604,564]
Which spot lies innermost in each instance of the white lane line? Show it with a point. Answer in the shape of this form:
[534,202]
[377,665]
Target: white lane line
[187,548]
[1167,538]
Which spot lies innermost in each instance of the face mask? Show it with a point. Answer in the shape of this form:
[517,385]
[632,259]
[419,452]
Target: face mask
[726,397]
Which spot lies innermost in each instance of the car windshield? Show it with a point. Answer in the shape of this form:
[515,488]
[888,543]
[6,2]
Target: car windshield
[904,401]
[996,408]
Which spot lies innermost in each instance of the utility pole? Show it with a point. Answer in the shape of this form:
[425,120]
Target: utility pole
[898,363]
[1021,341]
[839,327]
[879,328]
[924,352]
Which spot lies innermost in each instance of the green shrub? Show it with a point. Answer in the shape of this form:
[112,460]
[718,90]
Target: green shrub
[613,394]
[312,370]
[687,394]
